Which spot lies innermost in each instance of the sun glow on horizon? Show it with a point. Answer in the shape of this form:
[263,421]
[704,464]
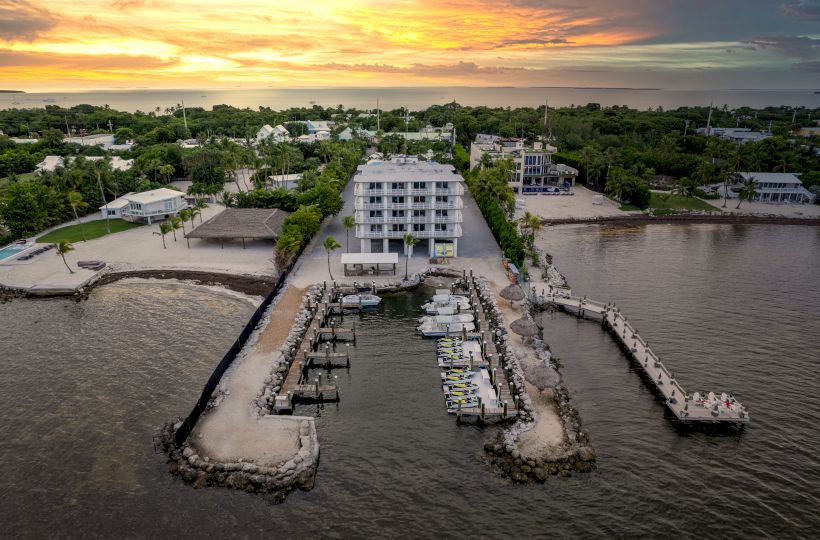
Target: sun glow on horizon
[62,44]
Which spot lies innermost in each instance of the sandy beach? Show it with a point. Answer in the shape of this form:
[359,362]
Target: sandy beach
[577,206]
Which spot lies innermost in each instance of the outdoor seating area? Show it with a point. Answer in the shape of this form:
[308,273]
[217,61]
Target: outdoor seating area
[242,223]
[370,264]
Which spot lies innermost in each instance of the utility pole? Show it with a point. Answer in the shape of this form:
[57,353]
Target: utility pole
[378,116]
[67,129]
[110,126]
[709,120]
[184,119]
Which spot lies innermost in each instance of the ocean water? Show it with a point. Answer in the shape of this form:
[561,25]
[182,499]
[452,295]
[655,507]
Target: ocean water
[83,385]
[415,98]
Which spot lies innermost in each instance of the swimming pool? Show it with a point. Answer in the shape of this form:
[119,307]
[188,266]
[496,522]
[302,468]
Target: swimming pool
[12,250]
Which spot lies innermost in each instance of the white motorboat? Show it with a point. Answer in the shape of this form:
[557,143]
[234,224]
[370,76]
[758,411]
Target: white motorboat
[364,300]
[446,304]
[436,328]
[449,317]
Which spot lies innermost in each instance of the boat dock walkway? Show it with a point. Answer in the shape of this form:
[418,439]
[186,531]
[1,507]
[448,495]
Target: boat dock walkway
[503,405]
[697,407]
[307,356]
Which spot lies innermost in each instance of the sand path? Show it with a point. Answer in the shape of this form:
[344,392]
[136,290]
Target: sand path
[233,431]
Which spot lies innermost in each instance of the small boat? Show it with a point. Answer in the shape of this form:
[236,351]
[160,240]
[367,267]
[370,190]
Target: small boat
[461,403]
[365,300]
[447,317]
[443,328]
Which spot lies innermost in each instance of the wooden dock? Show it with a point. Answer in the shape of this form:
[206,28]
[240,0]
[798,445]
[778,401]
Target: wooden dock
[709,407]
[486,357]
[296,387]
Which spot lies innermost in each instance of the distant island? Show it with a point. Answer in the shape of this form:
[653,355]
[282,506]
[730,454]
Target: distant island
[12,92]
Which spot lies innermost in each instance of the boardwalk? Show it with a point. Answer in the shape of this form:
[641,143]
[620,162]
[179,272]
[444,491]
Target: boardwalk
[695,407]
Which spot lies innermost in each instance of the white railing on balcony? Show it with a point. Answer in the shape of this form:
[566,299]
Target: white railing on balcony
[151,213]
[452,232]
[408,219]
[364,191]
[458,204]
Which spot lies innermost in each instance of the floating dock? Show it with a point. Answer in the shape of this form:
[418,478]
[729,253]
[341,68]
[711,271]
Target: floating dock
[710,407]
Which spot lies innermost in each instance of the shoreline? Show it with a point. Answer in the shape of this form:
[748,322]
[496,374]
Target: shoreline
[725,219]
[245,284]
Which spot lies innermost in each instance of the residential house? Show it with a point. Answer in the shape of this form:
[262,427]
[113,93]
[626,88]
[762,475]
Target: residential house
[276,134]
[534,170]
[772,187]
[147,206]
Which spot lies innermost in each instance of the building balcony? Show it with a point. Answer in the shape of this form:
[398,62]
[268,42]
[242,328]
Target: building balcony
[367,220]
[457,204]
[129,212]
[453,188]
[452,232]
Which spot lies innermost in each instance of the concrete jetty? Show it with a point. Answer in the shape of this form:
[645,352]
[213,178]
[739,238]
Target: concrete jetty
[711,407]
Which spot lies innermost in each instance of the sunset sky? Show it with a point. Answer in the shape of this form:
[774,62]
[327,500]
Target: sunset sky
[69,44]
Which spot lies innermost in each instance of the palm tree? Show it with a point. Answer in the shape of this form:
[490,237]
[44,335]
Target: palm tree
[176,224]
[75,199]
[200,205]
[166,171]
[329,245]
[410,240]
[164,228]
[228,199]
[192,213]
[99,167]
[61,248]
[184,215]
[748,191]
[348,222]
[530,222]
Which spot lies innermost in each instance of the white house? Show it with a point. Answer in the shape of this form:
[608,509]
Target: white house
[773,188]
[148,206]
[315,126]
[277,134]
[405,195]
[736,135]
[534,170]
[104,140]
[49,164]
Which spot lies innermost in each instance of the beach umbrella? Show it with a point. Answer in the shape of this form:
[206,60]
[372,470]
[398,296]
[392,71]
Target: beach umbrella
[524,327]
[513,293]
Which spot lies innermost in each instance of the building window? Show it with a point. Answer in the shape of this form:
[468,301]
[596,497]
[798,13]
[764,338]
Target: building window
[441,227]
[418,227]
[397,185]
[442,199]
[419,213]
[375,213]
[441,213]
[398,227]
[441,185]
[420,199]
[419,185]
[398,213]
[168,205]
[375,228]
[375,200]
[398,200]
[375,185]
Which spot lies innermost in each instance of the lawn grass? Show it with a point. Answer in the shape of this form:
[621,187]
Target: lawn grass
[23,176]
[93,229]
[664,204]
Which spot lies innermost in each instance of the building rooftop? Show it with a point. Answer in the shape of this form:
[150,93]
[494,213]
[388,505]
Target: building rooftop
[404,169]
[771,178]
[154,195]
[259,223]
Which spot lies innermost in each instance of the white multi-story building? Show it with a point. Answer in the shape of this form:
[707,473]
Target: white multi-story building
[534,169]
[147,206]
[405,195]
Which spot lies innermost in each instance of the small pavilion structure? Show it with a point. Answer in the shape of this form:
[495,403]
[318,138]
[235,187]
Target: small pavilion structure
[242,223]
[370,264]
